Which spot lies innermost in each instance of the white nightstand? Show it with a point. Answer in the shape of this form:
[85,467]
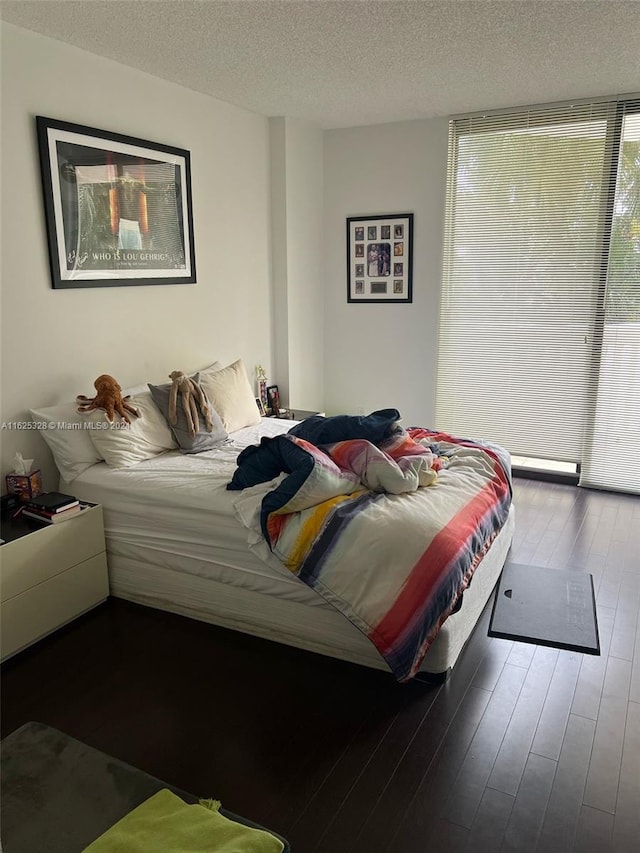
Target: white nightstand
[49,575]
[303,414]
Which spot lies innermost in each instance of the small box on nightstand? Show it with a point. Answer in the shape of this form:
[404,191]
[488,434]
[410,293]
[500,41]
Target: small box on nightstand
[26,486]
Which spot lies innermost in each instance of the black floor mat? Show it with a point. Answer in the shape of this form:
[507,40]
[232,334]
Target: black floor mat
[548,607]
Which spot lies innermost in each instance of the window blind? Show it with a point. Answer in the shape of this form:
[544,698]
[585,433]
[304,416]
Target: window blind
[527,236]
[612,457]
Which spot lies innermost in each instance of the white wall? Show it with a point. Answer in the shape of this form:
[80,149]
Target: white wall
[297,247]
[55,342]
[257,200]
[379,356]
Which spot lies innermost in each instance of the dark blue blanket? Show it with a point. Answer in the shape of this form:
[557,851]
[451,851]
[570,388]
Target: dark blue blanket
[280,454]
[374,427]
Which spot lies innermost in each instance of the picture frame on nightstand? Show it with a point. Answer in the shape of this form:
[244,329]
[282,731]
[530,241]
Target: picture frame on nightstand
[273,400]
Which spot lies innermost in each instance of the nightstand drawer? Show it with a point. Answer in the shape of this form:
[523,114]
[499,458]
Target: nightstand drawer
[38,611]
[49,550]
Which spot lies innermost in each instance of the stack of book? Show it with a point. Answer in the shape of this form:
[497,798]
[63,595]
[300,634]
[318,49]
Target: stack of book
[52,507]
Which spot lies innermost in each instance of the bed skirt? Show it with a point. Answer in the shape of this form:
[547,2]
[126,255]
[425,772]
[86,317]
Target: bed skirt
[314,626]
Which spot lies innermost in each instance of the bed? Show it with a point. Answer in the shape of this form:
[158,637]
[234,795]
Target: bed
[179,540]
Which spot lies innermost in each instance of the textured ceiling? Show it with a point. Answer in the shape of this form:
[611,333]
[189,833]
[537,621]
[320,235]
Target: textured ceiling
[341,63]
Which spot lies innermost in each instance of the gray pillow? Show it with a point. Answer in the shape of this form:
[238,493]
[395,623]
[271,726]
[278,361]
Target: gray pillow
[202,440]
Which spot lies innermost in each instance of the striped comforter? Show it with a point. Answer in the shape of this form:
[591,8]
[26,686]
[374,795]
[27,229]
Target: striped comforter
[388,533]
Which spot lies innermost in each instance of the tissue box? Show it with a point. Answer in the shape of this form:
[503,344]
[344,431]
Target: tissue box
[26,486]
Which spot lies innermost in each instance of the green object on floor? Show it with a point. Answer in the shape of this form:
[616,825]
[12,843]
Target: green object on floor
[164,822]
[59,795]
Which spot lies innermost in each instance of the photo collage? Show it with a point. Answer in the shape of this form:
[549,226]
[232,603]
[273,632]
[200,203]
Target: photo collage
[379,259]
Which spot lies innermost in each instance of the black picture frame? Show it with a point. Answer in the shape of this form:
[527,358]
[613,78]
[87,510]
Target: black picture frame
[273,400]
[117,208]
[261,407]
[380,258]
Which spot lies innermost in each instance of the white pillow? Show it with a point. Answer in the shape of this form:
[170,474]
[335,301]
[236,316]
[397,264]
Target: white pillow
[64,430]
[122,445]
[68,433]
[230,394]
[212,368]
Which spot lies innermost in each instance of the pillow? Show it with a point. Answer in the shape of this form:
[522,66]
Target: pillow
[213,368]
[65,431]
[230,394]
[202,440]
[122,445]
[69,439]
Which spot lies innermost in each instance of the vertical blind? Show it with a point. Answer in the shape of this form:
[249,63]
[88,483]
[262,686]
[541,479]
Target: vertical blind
[612,452]
[525,352]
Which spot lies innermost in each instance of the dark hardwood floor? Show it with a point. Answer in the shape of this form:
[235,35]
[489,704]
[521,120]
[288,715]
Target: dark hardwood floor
[524,748]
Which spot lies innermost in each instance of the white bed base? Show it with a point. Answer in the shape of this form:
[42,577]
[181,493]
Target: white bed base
[315,626]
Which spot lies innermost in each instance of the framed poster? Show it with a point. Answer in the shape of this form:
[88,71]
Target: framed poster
[380,258]
[117,209]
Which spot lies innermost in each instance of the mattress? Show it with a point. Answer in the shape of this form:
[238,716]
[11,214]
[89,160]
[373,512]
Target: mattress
[175,541]
[175,510]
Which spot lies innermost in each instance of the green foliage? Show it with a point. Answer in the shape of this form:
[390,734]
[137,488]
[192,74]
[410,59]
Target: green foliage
[623,281]
[540,207]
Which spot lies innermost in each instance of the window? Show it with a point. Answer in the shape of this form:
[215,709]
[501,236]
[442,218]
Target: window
[540,315]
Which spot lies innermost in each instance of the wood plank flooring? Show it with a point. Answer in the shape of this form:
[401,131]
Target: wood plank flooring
[524,748]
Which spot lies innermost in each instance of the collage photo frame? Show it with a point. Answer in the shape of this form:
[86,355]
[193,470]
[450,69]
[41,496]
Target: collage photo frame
[380,258]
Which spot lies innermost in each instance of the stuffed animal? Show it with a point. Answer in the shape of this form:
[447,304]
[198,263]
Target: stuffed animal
[109,398]
[192,397]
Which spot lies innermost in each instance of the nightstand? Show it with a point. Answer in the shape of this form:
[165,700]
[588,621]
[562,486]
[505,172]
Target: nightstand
[49,575]
[302,414]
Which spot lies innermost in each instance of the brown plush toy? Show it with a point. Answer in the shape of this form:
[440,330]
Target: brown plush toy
[109,398]
[192,397]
